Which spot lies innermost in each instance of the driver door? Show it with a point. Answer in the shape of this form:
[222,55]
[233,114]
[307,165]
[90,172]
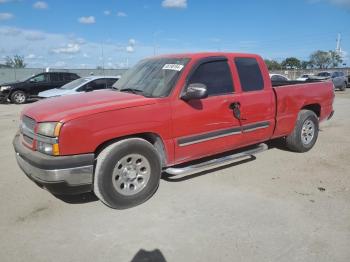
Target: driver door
[207,126]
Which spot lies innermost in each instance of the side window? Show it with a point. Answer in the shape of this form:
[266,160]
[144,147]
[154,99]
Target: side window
[249,74]
[70,77]
[111,82]
[216,76]
[39,78]
[54,78]
[98,84]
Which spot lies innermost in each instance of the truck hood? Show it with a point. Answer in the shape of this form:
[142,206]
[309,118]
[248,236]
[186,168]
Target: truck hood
[66,108]
[56,92]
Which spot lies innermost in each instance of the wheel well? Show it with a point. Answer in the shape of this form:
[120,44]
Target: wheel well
[153,138]
[316,108]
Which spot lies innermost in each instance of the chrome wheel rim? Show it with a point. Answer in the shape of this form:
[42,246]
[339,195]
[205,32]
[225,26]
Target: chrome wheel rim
[20,98]
[131,174]
[307,132]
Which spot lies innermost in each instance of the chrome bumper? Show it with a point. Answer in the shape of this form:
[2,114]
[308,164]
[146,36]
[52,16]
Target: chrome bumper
[72,176]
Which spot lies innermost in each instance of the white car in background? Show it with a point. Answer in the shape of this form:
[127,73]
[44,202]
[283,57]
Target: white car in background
[304,77]
[84,84]
[278,78]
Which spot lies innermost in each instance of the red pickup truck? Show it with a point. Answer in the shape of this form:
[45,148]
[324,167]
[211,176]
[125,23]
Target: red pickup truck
[175,114]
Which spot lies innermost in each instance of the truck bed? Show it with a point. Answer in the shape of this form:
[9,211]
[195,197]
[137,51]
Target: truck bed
[295,96]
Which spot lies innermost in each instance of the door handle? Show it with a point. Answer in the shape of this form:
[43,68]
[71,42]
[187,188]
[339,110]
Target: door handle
[236,108]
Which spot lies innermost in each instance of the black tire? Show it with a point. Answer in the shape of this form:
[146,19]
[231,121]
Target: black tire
[18,97]
[104,186]
[294,141]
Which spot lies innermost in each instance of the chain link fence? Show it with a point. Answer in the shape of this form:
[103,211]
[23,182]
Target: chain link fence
[12,74]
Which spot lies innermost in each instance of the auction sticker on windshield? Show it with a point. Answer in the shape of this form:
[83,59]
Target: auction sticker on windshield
[175,67]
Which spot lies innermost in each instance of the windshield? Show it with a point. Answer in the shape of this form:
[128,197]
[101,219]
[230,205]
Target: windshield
[152,77]
[76,83]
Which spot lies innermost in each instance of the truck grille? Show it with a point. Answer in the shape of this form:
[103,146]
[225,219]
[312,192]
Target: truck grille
[28,124]
[27,129]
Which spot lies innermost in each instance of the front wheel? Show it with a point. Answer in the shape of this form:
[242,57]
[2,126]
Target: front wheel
[18,97]
[305,132]
[127,173]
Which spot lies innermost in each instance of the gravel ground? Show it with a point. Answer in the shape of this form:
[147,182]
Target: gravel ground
[282,206]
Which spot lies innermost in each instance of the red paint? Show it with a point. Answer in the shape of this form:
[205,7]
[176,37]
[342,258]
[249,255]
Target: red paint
[91,119]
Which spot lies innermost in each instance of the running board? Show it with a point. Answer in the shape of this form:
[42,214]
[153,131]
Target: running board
[214,163]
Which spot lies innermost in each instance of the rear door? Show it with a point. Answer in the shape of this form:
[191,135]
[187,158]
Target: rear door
[256,100]
[56,80]
[206,126]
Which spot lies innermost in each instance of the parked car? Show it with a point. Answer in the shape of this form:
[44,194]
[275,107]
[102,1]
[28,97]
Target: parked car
[85,84]
[304,77]
[339,79]
[20,92]
[278,78]
[165,113]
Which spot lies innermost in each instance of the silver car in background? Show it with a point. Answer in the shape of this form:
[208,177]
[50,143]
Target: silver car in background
[340,81]
[84,84]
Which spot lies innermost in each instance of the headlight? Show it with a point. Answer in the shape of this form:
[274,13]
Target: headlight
[48,149]
[47,139]
[51,129]
[3,88]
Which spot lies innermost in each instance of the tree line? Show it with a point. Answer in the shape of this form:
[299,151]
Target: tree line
[318,59]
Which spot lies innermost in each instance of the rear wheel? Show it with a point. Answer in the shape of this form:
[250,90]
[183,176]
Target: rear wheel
[18,97]
[305,133]
[127,173]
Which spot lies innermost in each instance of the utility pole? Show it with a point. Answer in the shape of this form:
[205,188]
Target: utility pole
[338,46]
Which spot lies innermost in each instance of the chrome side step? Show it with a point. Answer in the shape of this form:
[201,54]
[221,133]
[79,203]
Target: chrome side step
[214,163]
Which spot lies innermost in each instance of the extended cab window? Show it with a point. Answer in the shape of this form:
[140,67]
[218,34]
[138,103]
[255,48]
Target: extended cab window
[216,76]
[249,74]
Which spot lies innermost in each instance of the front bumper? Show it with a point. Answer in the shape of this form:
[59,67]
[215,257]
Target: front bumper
[3,97]
[59,175]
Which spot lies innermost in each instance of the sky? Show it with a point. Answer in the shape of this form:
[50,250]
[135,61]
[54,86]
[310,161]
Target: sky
[118,33]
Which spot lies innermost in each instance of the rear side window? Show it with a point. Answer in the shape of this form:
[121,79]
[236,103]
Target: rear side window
[99,84]
[111,82]
[216,76]
[56,77]
[70,77]
[249,74]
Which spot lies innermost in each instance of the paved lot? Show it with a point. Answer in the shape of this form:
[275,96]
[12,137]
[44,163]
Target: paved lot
[282,206]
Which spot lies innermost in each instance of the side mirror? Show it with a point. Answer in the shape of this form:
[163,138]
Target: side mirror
[195,91]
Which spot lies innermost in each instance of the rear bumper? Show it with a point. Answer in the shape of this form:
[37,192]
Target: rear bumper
[331,115]
[59,175]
